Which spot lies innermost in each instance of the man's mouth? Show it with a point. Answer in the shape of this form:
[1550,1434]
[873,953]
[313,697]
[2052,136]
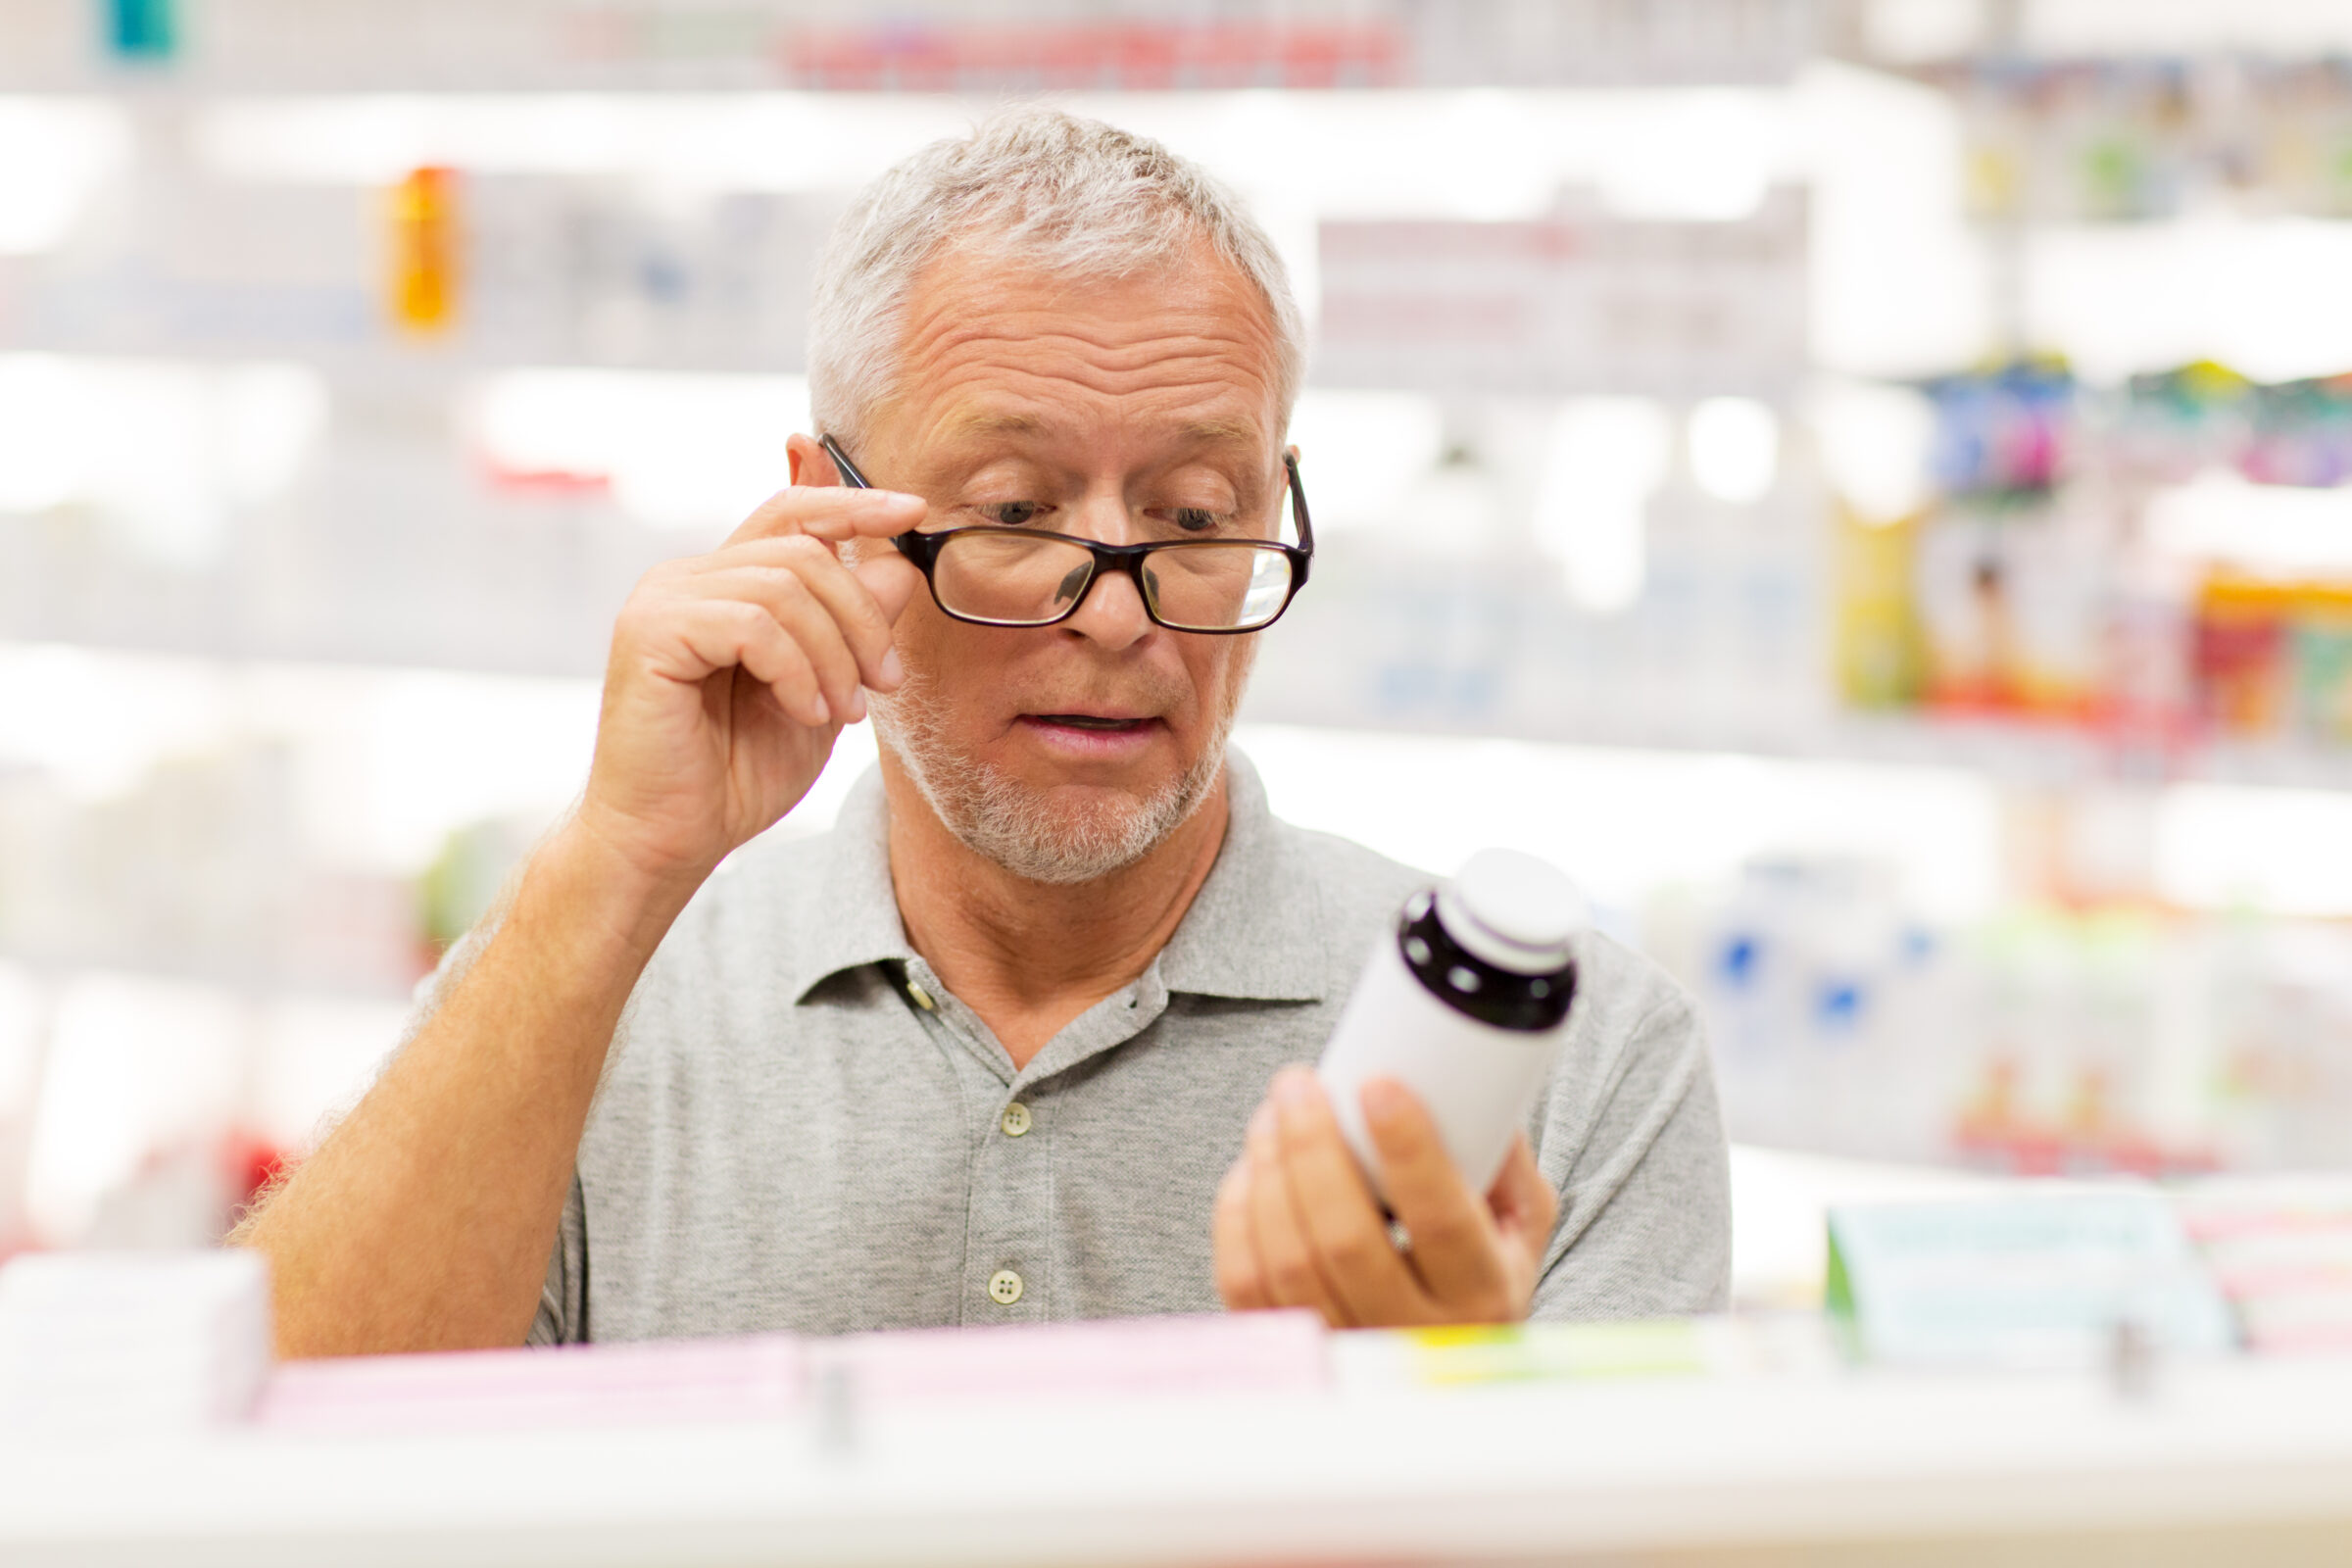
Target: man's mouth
[1095,737]
[1094,722]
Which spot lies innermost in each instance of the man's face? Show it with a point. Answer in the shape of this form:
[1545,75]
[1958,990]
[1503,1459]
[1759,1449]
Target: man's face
[1121,411]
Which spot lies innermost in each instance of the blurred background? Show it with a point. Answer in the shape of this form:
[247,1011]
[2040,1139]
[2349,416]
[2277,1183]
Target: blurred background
[1860,483]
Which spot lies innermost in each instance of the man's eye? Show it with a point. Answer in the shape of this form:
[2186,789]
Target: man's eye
[1197,520]
[1012,514]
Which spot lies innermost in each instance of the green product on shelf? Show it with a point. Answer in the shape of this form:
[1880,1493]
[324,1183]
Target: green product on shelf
[2322,672]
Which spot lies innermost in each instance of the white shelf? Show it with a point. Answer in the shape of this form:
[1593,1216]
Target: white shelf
[253,978]
[2013,752]
[2252,1459]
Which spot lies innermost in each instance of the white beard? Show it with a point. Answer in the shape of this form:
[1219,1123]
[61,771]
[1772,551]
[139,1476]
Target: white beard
[1017,825]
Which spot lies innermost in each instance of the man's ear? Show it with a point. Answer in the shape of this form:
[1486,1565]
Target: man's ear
[806,461]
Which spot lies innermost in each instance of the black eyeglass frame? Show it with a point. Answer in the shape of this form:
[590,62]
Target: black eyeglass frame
[923,550]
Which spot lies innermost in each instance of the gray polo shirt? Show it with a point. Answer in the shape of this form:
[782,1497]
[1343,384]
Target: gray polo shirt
[801,1128]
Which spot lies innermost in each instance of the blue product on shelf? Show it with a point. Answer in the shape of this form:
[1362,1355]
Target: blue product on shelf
[141,30]
[2006,431]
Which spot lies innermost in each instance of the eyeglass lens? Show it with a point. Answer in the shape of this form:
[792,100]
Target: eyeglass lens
[1029,580]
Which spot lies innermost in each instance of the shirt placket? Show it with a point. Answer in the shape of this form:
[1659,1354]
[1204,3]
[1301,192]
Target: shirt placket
[1008,1274]
[1008,1205]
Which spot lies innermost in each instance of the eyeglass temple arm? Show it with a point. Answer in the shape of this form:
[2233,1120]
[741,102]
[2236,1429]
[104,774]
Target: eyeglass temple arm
[914,547]
[842,463]
[1302,558]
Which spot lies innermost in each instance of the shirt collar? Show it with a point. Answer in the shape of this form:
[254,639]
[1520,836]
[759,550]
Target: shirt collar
[1256,927]
[849,913]
[1255,931]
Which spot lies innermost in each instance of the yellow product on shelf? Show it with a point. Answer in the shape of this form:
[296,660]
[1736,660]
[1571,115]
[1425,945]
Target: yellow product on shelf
[1881,654]
[424,250]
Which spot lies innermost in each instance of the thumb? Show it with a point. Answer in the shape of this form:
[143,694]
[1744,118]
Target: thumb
[1520,1199]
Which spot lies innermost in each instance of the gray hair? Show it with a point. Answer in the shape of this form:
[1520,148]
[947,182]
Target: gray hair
[1076,196]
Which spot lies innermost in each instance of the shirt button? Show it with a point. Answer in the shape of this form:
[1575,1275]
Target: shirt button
[920,998]
[1003,1287]
[1015,1121]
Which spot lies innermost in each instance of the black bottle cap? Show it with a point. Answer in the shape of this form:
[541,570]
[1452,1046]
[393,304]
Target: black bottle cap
[1471,986]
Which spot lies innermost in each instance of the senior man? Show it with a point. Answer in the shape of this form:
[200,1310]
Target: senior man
[1025,1036]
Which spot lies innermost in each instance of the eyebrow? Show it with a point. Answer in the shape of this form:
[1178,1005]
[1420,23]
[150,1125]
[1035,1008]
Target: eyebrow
[1220,433]
[994,421]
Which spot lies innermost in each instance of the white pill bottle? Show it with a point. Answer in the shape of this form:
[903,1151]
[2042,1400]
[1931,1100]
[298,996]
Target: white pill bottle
[1464,1002]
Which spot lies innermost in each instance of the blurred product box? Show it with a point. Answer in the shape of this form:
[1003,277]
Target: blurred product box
[2039,1280]
[2043,1041]
[2133,140]
[2281,1253]
[1577,302]
[130,1342]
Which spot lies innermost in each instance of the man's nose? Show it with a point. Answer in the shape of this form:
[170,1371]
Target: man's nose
[1112,615]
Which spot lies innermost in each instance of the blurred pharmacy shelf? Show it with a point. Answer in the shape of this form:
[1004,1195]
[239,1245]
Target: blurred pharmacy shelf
[1973,742]
[915,45]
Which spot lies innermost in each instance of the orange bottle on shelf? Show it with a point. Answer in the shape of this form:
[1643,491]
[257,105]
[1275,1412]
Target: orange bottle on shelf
[424,250]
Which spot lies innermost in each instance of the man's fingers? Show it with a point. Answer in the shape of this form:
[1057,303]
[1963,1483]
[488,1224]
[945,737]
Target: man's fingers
[865,625]
[1456,1247]
[717,634]
[1240,1282]
[1285,1259]
[850,603]
[793,605]
[890,578]
[1336,1211]
[831,512]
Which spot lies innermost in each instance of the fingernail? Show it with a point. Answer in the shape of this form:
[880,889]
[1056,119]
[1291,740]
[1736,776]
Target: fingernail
[892,671]
[1382,1098]
[825,713]
[1295,1089]
[1261,1122]
[900,501]
[857,705]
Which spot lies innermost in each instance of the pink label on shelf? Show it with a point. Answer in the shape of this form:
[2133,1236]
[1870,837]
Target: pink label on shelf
[1249,1352]
[689,1381]
[765,1376]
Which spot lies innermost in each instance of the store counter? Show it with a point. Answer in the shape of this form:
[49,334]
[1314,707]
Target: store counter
[1715,1443]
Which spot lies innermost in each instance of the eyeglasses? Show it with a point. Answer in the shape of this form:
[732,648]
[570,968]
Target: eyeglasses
[998,576]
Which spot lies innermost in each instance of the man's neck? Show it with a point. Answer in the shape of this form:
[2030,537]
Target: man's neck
[1029,956]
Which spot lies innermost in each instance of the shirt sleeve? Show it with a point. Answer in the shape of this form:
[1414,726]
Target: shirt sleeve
[1636,1152]
[562,1317]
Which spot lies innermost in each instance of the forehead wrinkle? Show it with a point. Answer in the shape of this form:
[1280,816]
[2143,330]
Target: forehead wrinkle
[1197,318]
[1065,354]
[1194,380]
[978,402]
[1194,289]
[999,356]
